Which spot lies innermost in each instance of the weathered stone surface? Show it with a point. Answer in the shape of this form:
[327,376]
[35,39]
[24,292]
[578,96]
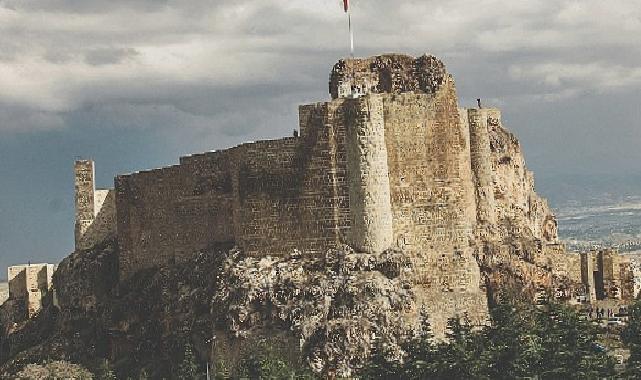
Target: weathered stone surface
[389,73]
[95,209]
[334,306]
[4,292]
[30,283]
[407,184]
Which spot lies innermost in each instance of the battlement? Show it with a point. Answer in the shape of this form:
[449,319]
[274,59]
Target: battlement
[389,73]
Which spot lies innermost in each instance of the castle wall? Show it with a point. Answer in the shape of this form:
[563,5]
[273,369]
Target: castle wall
[612,267]
[104,223]
[430,176]
[287,193]
[379,171]
[433,201]
[588,275]
[268,197]
[566,265]
[165,214]
[17,279]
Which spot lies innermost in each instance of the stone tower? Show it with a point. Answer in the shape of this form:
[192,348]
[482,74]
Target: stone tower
[369,187]
[481,163]
[85,193]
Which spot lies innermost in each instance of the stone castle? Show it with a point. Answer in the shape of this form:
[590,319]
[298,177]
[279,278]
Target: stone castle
[391,162]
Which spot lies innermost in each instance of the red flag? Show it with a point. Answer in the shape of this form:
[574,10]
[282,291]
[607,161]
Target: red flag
[346,5]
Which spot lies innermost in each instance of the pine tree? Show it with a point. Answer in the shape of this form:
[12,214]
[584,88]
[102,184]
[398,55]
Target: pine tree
[105,372]
[631,336]
[421,350]
[569,348]
[188,368]
[143,375]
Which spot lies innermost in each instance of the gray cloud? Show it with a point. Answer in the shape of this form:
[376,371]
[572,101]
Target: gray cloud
[109,56]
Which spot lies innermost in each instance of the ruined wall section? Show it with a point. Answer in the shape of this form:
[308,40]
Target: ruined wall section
[588,269]
[612,267]
[30,283]
[369,185]
[387,74]
[104,223]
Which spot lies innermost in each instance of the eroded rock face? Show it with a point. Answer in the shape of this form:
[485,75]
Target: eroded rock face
[335,306]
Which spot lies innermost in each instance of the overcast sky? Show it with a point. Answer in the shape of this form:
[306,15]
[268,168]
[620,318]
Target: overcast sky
[134,84]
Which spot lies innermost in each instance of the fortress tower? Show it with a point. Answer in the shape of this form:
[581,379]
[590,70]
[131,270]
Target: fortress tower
[369,187]
[482,163]
[85,198]
[95,209]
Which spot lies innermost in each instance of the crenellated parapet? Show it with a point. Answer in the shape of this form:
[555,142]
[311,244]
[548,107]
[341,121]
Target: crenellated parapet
[387,74]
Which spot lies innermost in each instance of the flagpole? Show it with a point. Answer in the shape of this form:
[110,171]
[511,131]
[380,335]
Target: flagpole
[351,32]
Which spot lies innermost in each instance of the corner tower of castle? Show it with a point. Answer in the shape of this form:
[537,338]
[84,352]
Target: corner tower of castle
[95,208]
[85,198]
